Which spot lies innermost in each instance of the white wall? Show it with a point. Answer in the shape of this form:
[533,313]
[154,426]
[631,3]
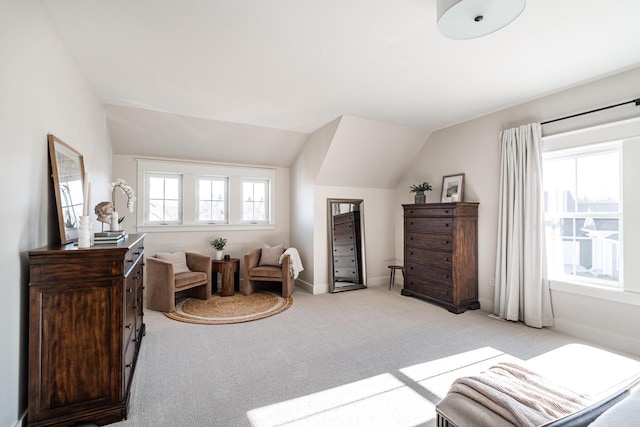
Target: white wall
[239,242]
[303,175]
[473,147]
[43,91]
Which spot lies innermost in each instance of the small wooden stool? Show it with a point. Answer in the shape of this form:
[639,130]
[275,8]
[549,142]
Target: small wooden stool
[393,269]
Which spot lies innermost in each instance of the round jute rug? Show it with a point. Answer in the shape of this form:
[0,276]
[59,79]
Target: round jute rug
[237,308]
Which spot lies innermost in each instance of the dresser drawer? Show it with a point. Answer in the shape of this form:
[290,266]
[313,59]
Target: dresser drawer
[344,239]
[129,357]
[431,241]
[440,259]
[430,274]
[429,225]
[344,250]
[344,228]
[428,212]
[345,272]
[433,290]
[132,256]
[344,262]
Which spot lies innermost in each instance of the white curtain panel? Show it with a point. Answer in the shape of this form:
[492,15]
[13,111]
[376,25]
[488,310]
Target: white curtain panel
[522,289]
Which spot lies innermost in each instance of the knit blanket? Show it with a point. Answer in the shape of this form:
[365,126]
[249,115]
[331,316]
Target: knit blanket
[520,396]
[295,263]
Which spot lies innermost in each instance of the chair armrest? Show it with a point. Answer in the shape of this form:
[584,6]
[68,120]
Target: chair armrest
[159,271]
[202,263]
[252,258]
[286,261]
[198,262]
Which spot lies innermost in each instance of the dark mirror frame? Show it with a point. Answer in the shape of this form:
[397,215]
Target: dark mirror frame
[67,171]
[346,272]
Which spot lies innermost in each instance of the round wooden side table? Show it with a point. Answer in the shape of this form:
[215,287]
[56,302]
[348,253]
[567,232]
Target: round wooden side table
[230,271]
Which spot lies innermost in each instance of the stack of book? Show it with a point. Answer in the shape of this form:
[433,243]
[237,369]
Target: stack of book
[109,237]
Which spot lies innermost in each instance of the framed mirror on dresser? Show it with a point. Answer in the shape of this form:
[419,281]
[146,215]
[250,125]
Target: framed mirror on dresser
[67,173]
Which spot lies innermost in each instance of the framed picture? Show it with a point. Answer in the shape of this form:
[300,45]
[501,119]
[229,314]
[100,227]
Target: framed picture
[452,188]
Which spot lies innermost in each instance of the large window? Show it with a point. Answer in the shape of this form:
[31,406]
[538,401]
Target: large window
[187,196]
[583,213]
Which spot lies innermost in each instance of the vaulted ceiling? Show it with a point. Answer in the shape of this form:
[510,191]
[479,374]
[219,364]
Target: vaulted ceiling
[287,67]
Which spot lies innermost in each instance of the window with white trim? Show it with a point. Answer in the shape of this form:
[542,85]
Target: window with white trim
[212,200]
[163,205]
[583,213]
[255,200]
[187,196]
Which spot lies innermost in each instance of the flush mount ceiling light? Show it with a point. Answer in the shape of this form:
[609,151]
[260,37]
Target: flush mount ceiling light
[468,19]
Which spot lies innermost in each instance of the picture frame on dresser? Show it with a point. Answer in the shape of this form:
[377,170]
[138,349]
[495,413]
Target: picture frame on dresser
[452,188]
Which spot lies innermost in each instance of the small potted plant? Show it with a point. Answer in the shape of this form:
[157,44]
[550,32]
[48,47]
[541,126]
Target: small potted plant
[218,244]
[419,189]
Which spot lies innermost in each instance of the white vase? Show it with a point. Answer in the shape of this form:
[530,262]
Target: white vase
[84,232]
[115,226]
[219,255]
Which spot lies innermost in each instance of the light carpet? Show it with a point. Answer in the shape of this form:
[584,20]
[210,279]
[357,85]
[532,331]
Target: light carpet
[369,357]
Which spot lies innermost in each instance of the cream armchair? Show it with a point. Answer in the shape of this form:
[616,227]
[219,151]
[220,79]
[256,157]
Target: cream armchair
[254,274]
[163,286]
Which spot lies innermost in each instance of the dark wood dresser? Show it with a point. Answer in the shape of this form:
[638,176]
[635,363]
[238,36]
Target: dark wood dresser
[85,329]
[346,247]
[441,254]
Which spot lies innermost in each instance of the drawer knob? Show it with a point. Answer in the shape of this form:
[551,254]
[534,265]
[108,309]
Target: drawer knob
[129,365]
[447,259]
[128,326]
[445,276]
[129,290]
[410,222]
[447,224]
[446,242]
[446,211]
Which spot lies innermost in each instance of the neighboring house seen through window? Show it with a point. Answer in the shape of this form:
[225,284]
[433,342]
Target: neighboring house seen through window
[583,213]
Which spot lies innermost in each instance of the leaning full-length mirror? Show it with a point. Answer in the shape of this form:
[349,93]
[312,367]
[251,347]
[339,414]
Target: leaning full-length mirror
[67,170]
[347,269]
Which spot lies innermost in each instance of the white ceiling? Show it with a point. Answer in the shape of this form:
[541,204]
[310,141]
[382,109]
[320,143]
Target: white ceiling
[296,65]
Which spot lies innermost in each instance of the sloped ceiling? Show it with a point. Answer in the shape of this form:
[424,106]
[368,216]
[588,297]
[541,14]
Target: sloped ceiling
[296,65]
[364,153]
[150,133]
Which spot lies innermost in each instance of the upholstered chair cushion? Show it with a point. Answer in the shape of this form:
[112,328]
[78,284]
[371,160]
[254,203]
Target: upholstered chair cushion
[186,279]
[271,255]
[267,271]
[178,259]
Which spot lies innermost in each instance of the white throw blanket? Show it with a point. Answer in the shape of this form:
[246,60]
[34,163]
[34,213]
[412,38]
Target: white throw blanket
[519,395]
[295,263]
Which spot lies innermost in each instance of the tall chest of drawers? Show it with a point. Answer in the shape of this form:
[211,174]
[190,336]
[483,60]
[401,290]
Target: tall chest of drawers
[85,329]
[441,254]
[346,247]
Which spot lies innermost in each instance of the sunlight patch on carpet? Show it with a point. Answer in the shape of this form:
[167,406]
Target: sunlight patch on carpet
[382,400]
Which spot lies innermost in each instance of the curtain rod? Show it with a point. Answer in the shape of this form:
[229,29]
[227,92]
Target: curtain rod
[636,101]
